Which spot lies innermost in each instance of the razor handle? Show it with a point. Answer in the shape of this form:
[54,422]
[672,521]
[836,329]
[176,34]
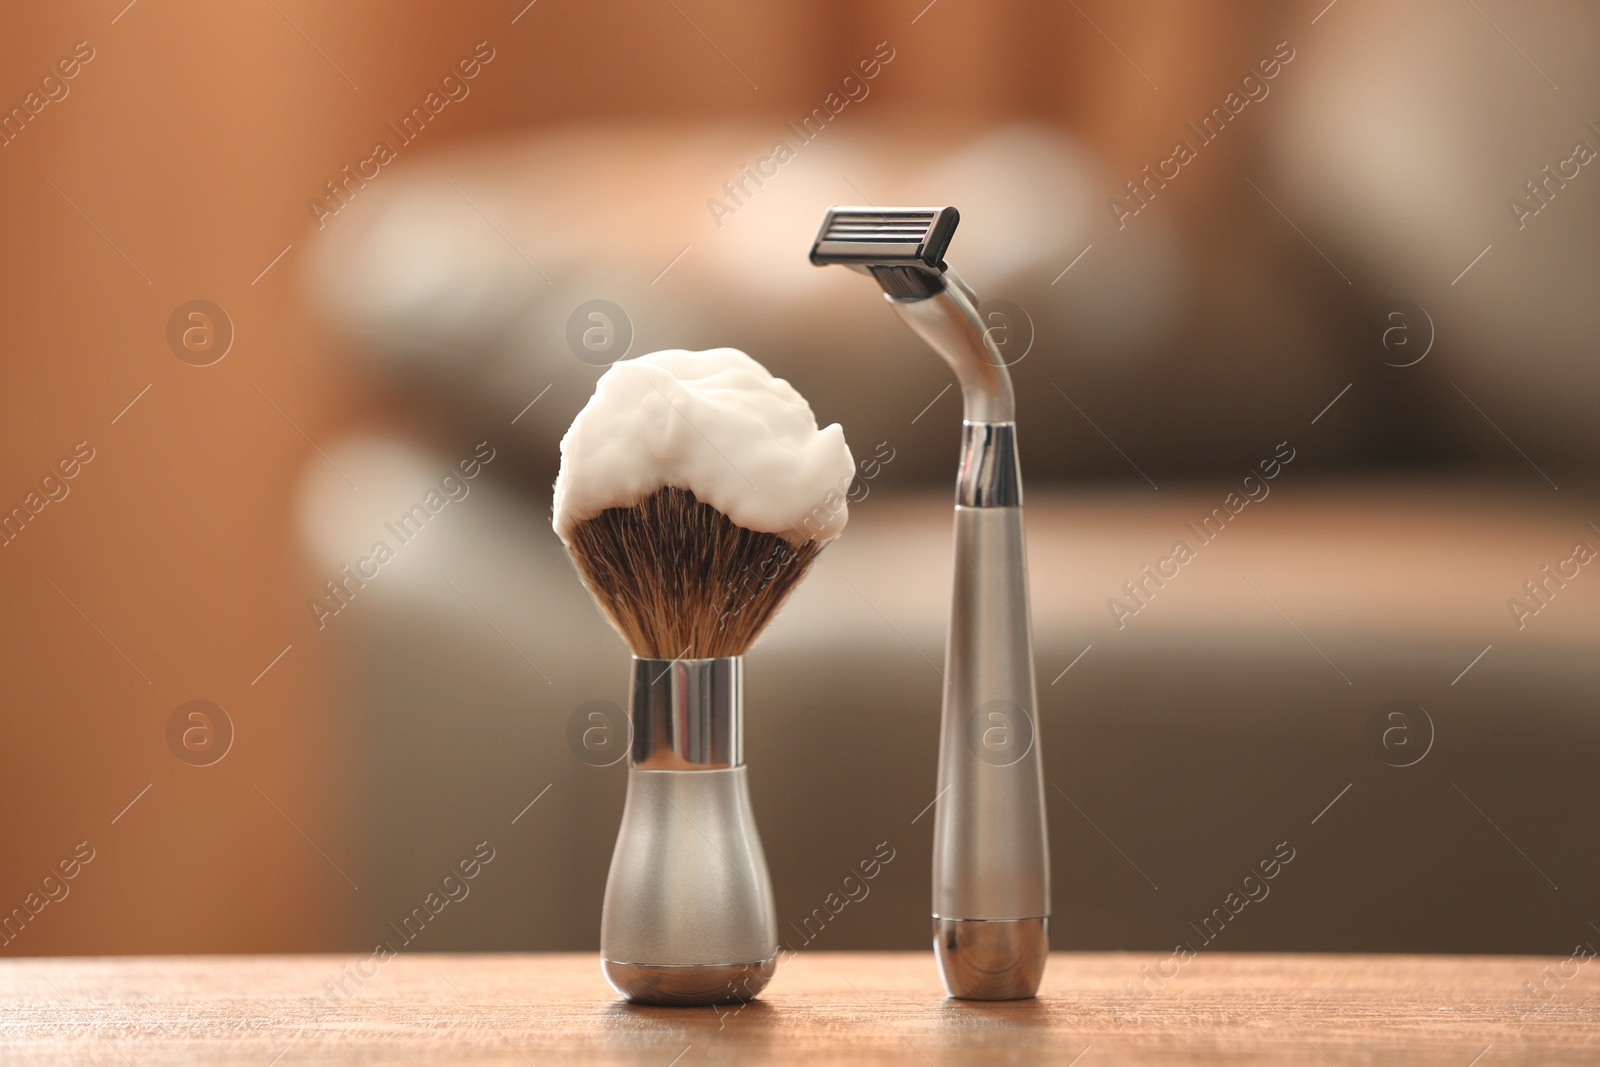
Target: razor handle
[991,868]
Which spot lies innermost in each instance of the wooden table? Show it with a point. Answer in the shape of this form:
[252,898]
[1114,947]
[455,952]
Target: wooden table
[848,1008]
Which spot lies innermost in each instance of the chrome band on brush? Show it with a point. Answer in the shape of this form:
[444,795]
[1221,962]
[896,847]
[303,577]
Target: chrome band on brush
[687,714]
[991,959]
[989,476]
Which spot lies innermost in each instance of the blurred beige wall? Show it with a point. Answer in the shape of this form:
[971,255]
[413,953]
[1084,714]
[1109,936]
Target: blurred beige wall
[179,165]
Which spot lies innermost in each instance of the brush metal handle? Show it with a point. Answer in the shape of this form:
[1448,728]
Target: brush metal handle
[689,915]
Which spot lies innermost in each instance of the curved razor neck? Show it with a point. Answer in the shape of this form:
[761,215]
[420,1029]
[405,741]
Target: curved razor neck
[948,321]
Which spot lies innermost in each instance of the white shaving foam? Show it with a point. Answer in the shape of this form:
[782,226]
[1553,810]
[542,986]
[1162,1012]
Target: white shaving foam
[716,423]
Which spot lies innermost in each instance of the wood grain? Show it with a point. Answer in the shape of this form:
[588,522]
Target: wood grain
[823,1008]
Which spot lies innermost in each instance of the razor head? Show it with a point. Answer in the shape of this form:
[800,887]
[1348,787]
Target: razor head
[902,247]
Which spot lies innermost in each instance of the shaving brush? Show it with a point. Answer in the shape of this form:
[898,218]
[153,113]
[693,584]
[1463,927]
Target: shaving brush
[688,915]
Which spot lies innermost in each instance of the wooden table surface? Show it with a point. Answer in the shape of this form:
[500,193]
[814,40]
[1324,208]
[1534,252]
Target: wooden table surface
[848,1008]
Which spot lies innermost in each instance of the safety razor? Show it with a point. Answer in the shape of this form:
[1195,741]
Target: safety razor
[991,868]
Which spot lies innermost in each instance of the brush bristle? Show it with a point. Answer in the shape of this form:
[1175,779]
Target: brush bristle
[678,578]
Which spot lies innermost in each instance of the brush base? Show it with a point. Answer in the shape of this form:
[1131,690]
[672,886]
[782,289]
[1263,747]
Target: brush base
[688,889]
[999,959]
[689,986]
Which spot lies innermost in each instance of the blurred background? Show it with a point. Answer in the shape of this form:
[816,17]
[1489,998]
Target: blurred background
[273,269]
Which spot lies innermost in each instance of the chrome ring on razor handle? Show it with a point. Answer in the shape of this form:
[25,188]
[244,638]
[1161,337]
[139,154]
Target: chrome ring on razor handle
[991,868]
[688,915]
